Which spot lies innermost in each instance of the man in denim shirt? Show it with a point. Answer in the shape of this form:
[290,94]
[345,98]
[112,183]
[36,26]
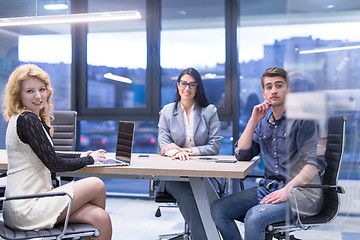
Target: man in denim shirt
[288,149]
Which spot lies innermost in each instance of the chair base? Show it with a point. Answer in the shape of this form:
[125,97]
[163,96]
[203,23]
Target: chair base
[283,237]
[280,236]
[175,236]
[74,231]
[163,197]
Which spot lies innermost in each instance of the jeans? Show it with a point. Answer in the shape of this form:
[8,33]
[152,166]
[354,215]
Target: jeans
[257,216]
[261,215]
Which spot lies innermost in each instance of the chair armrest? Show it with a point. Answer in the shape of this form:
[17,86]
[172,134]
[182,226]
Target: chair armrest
[338,189]
[33,196]
[46,195]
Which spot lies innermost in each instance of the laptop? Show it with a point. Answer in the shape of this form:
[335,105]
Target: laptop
[123,147]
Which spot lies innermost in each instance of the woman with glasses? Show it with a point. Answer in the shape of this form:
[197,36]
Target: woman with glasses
[189,126]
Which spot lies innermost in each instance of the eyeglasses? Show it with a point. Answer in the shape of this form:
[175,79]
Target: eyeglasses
[192,85]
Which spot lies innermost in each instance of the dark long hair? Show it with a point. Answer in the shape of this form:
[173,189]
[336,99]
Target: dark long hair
[200,97]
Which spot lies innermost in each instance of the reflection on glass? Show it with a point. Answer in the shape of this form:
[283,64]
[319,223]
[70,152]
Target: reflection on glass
[116,59]
[47,46]
[227,141]
[316,44]
[48,49]
[193,35]
[103,134]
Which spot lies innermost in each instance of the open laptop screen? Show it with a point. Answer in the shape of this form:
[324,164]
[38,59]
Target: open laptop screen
[125,141]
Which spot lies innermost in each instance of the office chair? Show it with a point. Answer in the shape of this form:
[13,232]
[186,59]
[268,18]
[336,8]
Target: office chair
[64,137]
[60,231]
[221,185]
[333,156]
[64,125]
[162,197]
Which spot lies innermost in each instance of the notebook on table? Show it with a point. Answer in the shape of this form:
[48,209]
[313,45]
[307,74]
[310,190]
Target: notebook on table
[123,147]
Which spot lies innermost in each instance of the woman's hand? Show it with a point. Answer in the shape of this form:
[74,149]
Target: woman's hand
[85,154]
[98,155]
[169,146]
[182,156]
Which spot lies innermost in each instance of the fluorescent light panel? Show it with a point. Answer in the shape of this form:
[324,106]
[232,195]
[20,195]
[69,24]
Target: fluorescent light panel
[71,18]
[321,50]
[206,76]
[57,6]
[117,78]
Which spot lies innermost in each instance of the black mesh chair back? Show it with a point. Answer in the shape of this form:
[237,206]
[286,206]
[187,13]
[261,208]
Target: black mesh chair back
[333,156]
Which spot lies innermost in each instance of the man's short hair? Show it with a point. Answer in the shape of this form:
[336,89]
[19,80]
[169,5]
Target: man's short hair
[275,72]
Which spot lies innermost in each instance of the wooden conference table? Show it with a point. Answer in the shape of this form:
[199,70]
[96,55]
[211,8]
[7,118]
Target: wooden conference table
[158,167]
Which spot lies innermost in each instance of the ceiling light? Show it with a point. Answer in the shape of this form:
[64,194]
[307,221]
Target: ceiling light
[117,78]
[205,77]
[320,50]
[210,75]
[56,6]
[71,18]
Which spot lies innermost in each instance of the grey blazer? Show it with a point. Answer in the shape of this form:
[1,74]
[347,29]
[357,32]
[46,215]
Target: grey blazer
[207,129]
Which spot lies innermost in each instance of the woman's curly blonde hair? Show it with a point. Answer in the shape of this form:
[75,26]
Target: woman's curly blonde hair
[12,104]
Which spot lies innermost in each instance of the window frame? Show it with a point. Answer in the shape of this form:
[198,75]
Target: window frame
[153,69]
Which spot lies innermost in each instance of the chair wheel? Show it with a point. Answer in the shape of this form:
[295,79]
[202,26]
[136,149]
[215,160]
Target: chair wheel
[158,212]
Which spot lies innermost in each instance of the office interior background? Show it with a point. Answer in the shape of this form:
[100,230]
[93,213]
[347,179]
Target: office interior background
[231,43]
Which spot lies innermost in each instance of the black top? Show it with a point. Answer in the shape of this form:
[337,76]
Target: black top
[30,130]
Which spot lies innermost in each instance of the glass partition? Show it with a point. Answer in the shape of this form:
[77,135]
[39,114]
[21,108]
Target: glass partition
[316,43]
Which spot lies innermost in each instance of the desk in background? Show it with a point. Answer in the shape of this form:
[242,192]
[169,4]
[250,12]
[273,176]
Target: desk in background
[158,167]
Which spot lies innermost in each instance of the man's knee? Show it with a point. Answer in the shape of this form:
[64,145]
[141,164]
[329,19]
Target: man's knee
[255,217]
[217,211]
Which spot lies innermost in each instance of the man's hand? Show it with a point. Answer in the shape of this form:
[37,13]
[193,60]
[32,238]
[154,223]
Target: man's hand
[258,113]
[260,110]
[277,196]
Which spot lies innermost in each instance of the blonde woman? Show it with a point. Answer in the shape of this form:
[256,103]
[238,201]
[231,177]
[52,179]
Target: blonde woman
[31,159]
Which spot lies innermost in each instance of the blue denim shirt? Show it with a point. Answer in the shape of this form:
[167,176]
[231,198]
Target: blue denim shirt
[285,146]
